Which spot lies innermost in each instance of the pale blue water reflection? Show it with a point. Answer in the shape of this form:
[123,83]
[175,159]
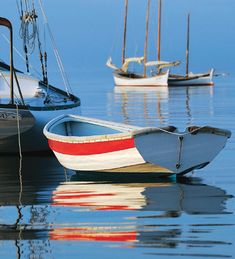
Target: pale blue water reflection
[49,212]
[54,213]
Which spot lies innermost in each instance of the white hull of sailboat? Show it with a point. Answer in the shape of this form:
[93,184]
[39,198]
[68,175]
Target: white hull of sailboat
[129,79]
[192,79]
[28,85]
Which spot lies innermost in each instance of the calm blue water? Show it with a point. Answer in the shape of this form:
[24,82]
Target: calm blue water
[49,212]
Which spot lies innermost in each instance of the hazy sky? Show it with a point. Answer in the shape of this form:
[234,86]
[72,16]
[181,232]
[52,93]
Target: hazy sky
[87,32]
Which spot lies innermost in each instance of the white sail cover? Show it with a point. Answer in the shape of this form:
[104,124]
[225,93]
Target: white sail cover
[130,60]
[110,64]
[125,65]
[162,64]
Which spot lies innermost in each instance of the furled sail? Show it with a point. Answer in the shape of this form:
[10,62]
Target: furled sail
[129,60]
[162,64]
[110,64]
[125,65]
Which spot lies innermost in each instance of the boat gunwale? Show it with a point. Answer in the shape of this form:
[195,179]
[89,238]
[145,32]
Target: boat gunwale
[128,131]
[189,77]
[121,74]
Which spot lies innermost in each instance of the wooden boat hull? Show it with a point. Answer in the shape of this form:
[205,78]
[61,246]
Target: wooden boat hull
[130,79]
[192,79]
[131,149]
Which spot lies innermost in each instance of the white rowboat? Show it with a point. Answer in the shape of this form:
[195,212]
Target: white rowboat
[86,144]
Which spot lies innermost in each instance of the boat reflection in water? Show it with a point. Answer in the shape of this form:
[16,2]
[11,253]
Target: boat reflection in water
[162,105]
[104,196]
[149,102]
[25,192]
[40,203]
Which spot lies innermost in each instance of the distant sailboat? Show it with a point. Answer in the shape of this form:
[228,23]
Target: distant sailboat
[191,78]
[123,77]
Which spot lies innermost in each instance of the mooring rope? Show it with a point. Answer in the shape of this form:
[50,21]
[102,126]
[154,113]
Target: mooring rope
[19,207]
[18,131]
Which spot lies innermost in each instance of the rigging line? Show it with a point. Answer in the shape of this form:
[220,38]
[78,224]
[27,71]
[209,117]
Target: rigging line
[18,7]
[19,139]
[21,6]
[56,52]
[20,55]
[8,84]
[45,52]
[43,65]
[115,40]
[26,4]
[19,145]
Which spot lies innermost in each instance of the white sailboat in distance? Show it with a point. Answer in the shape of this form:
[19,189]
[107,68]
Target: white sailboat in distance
[124,77]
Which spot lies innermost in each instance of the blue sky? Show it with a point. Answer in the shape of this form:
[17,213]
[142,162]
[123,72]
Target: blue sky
[88,31]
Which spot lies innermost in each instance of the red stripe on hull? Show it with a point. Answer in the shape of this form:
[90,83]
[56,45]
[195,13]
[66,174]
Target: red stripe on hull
[93,148]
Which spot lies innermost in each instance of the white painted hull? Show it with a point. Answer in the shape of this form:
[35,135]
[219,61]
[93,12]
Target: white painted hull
[192,79]
[28,85]
[90,146]
[195,151]
[122,79]
[111,160]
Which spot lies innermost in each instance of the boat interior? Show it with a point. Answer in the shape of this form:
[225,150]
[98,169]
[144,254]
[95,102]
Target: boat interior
[129,75]
[82,129]
[132,75]
[190,76]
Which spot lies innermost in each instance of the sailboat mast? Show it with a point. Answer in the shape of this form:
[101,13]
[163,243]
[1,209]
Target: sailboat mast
[146,37]
[159,30]
[124,33]
[187,49]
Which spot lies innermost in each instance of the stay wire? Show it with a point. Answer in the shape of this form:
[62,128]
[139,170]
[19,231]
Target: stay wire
[56,52]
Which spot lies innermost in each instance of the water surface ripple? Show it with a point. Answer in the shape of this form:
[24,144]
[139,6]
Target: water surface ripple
[47,211]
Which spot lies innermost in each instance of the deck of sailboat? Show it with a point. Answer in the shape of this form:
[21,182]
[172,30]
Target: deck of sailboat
[128,74]
[44,99]
[132,75]
[39,101]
